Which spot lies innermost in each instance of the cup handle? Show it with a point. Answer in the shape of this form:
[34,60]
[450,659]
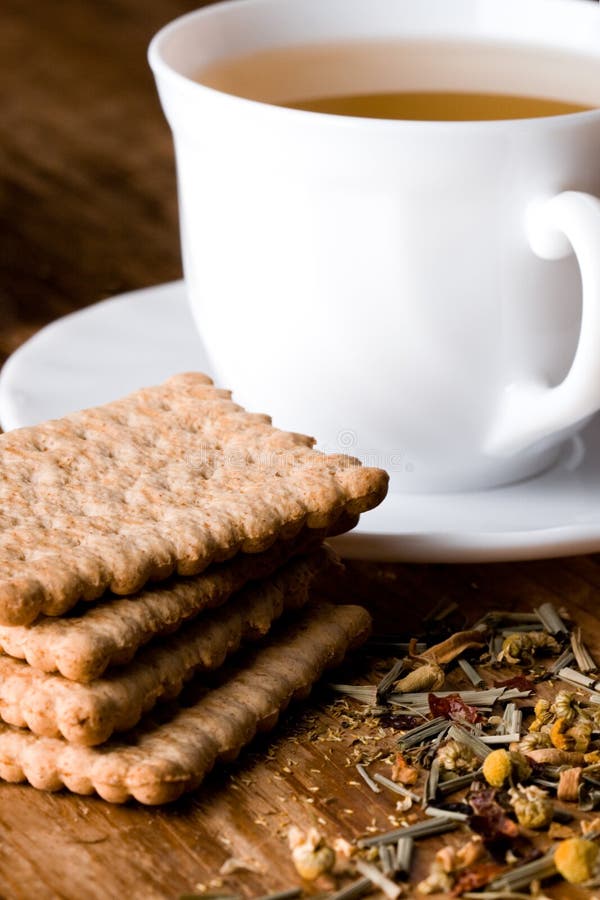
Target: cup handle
[530,411]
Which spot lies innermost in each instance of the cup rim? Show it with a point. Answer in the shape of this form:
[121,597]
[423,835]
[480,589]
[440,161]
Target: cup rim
[164,70]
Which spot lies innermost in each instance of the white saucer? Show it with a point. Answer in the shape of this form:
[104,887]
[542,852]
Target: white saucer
[141,338]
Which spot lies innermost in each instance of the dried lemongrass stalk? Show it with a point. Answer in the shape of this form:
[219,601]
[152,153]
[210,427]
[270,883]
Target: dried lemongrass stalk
[495,647]
[471,673]
[515,629]
[573,676]
[435,812]
[475,744]
[521,876]
[494,739]
[366,693]
[456,784]
[418,831]
[431,784]
[387,858]
[385,685]
[583,657]
[404,852]
[496,617]
[396,788]
[512,719]
[376,877]
[367,779]
[353,891]
[565,659]
[550,619]
[422,732]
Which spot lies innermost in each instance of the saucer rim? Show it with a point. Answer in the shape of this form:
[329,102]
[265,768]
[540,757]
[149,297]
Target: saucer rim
[442,546]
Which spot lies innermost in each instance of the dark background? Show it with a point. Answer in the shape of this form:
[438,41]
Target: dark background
[87,196]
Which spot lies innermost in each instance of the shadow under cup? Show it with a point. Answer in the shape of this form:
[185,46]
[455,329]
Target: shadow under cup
[379,283]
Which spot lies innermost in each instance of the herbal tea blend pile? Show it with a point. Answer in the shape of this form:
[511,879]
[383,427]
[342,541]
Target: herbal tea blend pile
[489,737]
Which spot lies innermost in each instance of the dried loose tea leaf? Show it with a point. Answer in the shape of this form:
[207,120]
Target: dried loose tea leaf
[476,877]
[402,772]
[400,722]
[454,708]
[488,818]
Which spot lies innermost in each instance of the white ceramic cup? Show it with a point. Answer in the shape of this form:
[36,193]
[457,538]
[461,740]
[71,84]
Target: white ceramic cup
[425,295]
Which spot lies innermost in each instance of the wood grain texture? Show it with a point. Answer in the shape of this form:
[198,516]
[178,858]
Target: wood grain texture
[87,209]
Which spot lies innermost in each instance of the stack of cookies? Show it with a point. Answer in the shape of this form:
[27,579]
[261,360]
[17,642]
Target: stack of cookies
[148,547]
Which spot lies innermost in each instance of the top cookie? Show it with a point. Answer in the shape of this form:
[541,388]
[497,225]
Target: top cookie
[170,478]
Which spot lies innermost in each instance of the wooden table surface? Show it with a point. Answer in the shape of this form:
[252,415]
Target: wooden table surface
[88,209]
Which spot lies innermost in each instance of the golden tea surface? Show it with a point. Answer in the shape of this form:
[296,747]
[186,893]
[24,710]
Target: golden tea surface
[412,80]
[437,106]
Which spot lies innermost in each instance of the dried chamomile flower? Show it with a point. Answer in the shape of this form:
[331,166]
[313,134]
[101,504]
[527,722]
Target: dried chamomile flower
[500,766]
[543,715]
[437,882]
[575,859]
[311,856]
[457,757]
[497,768]
[564,706]
[532,806]
[573,737]
[522,645]
[534,740]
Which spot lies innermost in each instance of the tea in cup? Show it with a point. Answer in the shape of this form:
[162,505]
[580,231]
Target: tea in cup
[390,231]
